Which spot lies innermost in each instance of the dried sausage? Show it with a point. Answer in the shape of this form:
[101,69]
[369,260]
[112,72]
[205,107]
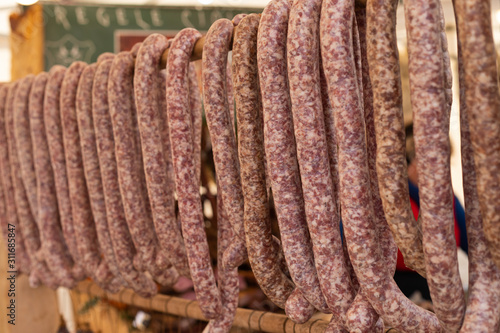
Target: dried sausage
[312,155]
[130,173]
[260,245]
[83,220]
[217,112]
[355,193]
[432,147]
[186,179]
[280,151]
[156,151]
[57,163]
[94,126]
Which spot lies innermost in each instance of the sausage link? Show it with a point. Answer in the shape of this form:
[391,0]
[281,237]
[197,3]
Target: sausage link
[24,146]
[98,150]
[312,155]
[483,105]
[227,278]
[54,139]
[217,112]
[89,156]
[30,233]
[23,262]
[432,147]
[483,311]
[279,144]
[53,244]
[355,193]
[391,147]
[130,173]
[196,115]
[187,181]
[260,245]
[83,220]
[156,151]
[361,315]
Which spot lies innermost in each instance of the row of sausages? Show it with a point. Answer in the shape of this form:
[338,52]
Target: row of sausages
[95,157]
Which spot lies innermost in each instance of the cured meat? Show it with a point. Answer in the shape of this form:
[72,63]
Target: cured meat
[20,129]
[130,173]
[57,163]
[156,151]
[22,261]
[279,144]
[355,193]
[432,147]
[187,181]
[391,145]
[312,155]
[83,220]
[217,112]
[98,150]
[260,245]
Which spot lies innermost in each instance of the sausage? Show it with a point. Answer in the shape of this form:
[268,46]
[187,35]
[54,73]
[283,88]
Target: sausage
[259,241]
[483,105]
[20,129]
[53,246]
[57,163]
[432,147]
[391,145]
[279,144]
[90,159]
[312,155]
[361,315]
[22,261]
[186,179]
[218,115]
[83,220]
[482,313]
[130,172]
[227,277]
[196,115]
[24,146]
[355,193]
[96,139]
[105,56]
[156,151]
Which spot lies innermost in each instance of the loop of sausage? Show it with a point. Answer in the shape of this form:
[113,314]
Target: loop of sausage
[24,146]
[383,60]
[156,151]
[53,244]
[83,220]
[432,147]
[260,245]
[89,151]
[96,133]
[221,128]
[23,261]
[355,193]
[187,182]
[484,275]
[361,316]
[57,163]
[20,144]
[130,172]
[279,144]
[51,236]
[312,155]
[483,108]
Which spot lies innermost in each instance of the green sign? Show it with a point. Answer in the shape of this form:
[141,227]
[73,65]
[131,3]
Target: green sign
[82,32]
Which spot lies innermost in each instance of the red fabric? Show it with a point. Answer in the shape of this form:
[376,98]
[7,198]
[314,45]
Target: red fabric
[400,266]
